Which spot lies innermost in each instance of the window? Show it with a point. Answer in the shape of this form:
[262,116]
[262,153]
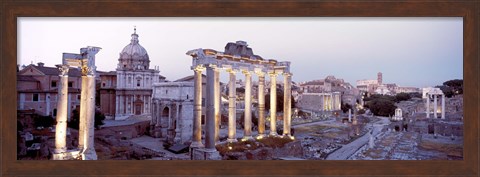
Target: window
[129,80]
[78,97]
[103,84]
[138,82]
[35,97]
[187,96]
[203,102]
[70,84]
[54,84]
[166,91]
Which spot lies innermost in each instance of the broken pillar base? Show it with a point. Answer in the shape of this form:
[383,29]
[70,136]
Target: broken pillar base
[89,155]
[68,155]
[205,154]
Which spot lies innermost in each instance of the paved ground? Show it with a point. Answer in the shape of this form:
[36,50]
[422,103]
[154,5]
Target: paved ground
[349,149]
[129,121]
[156,145]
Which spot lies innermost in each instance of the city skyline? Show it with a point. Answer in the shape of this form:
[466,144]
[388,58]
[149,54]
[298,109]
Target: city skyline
[416,52]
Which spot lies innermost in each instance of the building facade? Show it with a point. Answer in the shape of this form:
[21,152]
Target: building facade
[172,110]
[37,88]
[134,81]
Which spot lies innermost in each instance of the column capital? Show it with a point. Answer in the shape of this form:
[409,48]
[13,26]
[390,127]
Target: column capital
[287,74]
[211,66]
[260,73]
[198,68]
[272,74]
[232,71]
[246,72]
[63,70]
[88,70]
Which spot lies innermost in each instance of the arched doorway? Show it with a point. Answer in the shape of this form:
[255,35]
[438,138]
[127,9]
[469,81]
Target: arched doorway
[138,106]
[165,112]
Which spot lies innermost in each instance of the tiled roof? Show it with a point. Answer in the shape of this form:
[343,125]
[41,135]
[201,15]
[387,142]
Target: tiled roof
[109,73]
[188,78]
[72,72]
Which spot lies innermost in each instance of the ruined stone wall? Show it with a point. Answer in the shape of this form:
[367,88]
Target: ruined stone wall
[310,102]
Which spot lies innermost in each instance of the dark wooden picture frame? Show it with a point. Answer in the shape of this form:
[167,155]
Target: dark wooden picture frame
[10,10]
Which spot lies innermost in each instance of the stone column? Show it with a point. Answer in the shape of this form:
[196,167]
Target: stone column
[287,101]
[322,98]
[197,113]
[273,104]
[232,108]
[339,101]
[158,124]
[61,127]
[210,106]
[89,149]
[217,105]
[248,106]
[435,106]
[83,112]
[116,105]
[261,104]
[443,106]
[349,115]
[334,101]
[324,105]
[428,105]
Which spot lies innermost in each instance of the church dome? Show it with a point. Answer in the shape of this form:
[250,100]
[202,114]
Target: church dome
[134,56]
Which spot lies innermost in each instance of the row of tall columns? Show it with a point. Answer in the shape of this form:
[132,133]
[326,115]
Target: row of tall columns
[85,60]
[331,102]
[327,105]
[435,105]
[212,120]
[87,114]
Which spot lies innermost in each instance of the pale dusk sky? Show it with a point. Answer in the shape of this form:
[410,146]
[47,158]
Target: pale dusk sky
[414,51]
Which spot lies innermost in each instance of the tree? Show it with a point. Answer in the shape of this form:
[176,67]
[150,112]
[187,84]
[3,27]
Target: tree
[75,119]
[44,121]
[448,91]
[454,86]
[279,101]
[402,97]
[345,107]
[382,105]
[415,95]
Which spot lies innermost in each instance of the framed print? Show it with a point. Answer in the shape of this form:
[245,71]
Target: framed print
[276,88]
